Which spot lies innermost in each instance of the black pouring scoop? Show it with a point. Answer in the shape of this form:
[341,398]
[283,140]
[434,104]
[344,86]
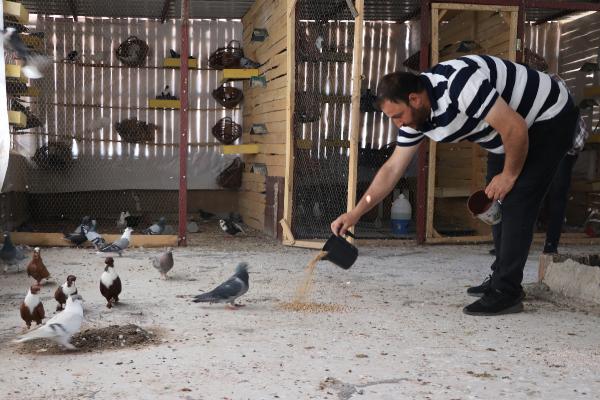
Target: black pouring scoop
[340,252]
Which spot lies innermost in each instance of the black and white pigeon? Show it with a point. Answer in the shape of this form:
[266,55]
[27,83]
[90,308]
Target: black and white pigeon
[122,221]
[164,262]
[92,235]
[230,226]
[228,291]
[157,228]
[10,254]
[119,245]
[33,62]
[61,327]
[72,56]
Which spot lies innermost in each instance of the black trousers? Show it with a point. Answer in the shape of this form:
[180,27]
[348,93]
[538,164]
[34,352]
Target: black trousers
[556,202]
[549,141]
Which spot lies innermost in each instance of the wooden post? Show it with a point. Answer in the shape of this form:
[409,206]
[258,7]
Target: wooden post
[355,113]
[435,41]
[513,36]
[183,121]
[288,194]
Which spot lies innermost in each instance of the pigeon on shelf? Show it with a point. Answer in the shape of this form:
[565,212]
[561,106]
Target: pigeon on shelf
[73,56]
[34,62]
[10,254]
[157,228]
[119,245]
[175,54]
[77,237]
[228,291]
[61,327]
[248,63]
[122,221]
[232,224]
[166,95]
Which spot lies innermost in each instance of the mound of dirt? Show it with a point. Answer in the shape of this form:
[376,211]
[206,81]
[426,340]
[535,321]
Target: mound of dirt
[96,340]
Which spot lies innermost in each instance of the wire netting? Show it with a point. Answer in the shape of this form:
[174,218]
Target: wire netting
[92,139]
[324,43]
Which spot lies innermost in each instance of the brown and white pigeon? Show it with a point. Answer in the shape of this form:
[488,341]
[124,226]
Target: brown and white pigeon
[32,308]
[110,283]
[63,292]
[164,262]
[61,327]
[36,268]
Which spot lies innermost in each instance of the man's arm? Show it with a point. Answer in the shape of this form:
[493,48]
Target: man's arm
[515,138]
[383,183]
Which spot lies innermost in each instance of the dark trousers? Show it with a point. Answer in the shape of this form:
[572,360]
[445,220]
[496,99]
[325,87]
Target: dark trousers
[549,141]
[556,202]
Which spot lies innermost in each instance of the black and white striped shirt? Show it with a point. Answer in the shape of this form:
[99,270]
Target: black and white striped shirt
[463,91]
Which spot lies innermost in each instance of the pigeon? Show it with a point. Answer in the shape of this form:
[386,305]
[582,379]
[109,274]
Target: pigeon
[85,224]
[120,244]
[32,308]
[230,226]
[205,215]
[133,220]
[174,54]
[164,262]
[33,61]
[228,291]
[110,283]
[72,56]
[63,292]
[122,221]
[61,327]
[10,254]
[156,229]
[93,236]
[77,238]
[36,268]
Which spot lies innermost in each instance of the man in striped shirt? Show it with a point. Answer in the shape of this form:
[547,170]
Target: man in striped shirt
[523,117]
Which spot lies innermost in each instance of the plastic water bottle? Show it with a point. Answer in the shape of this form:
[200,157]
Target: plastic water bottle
[401,214]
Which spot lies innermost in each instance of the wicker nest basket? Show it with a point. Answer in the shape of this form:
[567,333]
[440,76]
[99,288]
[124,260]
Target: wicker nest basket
[226,131]
[134,131]
[54,156]
[228,96]
[227,57]
[133,52]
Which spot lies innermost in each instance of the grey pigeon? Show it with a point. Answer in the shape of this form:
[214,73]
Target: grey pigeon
[77,237]
[156,229]
[33,61]
[61,327]
[10,254]
[164,262]
[120,244]
[229,290]
[93,236]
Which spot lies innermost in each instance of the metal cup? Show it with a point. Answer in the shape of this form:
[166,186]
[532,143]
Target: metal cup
[485,209]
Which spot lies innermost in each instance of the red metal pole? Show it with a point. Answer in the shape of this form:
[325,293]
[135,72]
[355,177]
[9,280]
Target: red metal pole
[183,121]
[422,154]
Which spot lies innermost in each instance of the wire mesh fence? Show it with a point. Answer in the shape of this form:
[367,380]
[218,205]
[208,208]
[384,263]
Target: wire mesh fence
[324,43]
[98,134]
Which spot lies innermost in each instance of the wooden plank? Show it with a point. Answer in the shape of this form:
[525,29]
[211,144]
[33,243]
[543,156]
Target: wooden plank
[452,192]
[258,187]
[288,172]
[432,145]
[176,63]
[268,159]
[160,103]
[16,11]
[252,177]
[470,7]
[17,118]
[57,239]
[591,91]
[252,148]
[253,197]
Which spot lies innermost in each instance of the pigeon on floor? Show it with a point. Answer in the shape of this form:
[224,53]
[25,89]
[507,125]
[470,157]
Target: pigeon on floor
[10,254]
[157,228]
[110,283]
[228,291]
[93,236]
[61,327]
[36,268]
[32,308]
[230,226]
[63,292]
[34,62]
[164,262]
[120,244]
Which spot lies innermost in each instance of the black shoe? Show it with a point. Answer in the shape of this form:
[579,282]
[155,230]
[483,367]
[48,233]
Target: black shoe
[478,291]
[495,302]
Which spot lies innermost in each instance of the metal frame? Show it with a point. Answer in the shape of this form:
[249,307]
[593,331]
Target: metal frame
[183,120]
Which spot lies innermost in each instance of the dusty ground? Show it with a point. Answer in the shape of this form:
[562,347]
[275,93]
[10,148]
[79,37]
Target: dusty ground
[402,335]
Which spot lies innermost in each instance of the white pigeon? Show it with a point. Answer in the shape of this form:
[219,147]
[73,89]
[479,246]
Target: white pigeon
[120,244]
[122,221]
[61,327]
[33,62]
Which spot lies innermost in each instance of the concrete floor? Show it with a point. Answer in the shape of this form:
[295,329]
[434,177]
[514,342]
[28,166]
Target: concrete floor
[403,335]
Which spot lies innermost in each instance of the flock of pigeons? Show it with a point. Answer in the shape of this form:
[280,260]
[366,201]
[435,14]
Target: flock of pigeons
[67,322]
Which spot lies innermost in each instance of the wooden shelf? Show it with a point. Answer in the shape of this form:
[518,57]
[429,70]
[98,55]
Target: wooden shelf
[446,192]
[17,118]
[33,42]
[176,63]
[591,91]
[16,11]
[159,103]
[593,139]
[252,148]
[585,186]
[14,71]
[58,240]
[236,74]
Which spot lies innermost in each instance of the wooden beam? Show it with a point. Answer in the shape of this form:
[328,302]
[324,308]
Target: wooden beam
[563,5]
[513,35]
[73,8]
[435,41]
[57,239]
[481,6]
[165,11]
[357,58]
[288,191]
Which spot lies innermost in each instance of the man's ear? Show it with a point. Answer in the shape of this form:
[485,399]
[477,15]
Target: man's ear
[415,100]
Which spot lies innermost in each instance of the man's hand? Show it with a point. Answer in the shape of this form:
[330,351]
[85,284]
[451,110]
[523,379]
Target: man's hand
[343,223]
[499,186]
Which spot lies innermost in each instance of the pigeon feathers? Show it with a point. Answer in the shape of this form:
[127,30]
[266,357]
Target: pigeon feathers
[228,291]
[164,262]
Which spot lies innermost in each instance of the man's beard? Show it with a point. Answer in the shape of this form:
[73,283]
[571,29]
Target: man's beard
[420,116]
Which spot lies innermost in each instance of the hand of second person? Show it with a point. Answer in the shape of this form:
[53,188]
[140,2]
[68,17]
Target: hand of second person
[499,187]
[343,223]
